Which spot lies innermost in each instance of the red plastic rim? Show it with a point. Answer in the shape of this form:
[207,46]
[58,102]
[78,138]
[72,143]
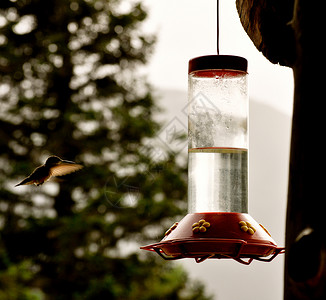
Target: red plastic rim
[217,235]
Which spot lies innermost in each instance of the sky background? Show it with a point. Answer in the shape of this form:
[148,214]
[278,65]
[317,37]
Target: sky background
[186,29]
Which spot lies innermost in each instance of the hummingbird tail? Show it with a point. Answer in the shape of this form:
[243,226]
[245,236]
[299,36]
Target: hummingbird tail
[24,182]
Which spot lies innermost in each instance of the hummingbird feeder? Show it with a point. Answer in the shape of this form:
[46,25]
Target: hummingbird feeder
[217,224]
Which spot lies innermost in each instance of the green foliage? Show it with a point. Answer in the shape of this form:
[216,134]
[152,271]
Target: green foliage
[69,86]
[14,282]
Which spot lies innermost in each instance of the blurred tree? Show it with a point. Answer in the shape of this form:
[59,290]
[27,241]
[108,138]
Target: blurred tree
[70,86]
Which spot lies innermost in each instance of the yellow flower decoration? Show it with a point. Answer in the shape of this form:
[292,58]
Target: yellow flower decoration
[200,226]
[174,226]
[247,227]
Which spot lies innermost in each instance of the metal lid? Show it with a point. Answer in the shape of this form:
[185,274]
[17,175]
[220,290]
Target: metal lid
[213,62]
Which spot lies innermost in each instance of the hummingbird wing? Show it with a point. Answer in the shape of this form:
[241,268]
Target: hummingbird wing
[64,168]
[38,176]
[27,180]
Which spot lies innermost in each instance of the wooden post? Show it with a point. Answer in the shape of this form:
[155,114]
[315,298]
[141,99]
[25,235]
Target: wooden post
[305,265]
[291,32]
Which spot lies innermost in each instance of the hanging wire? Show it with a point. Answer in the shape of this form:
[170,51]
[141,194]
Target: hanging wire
[217,27]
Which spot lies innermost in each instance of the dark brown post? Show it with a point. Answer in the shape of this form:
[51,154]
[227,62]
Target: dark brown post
[290,32]
[305,266]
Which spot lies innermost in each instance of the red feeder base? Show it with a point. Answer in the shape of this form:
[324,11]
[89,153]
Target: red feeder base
[217,235]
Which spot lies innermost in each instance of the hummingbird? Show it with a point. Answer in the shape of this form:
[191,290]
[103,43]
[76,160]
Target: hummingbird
[54,166]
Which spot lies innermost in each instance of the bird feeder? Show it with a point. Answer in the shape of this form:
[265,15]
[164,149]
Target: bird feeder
[217,224]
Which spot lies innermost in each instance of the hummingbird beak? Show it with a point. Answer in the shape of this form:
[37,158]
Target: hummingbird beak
[67,162]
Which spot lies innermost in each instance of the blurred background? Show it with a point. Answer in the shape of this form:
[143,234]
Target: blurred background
[100,82]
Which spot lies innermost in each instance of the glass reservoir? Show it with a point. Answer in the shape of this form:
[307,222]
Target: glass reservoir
[218,134]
